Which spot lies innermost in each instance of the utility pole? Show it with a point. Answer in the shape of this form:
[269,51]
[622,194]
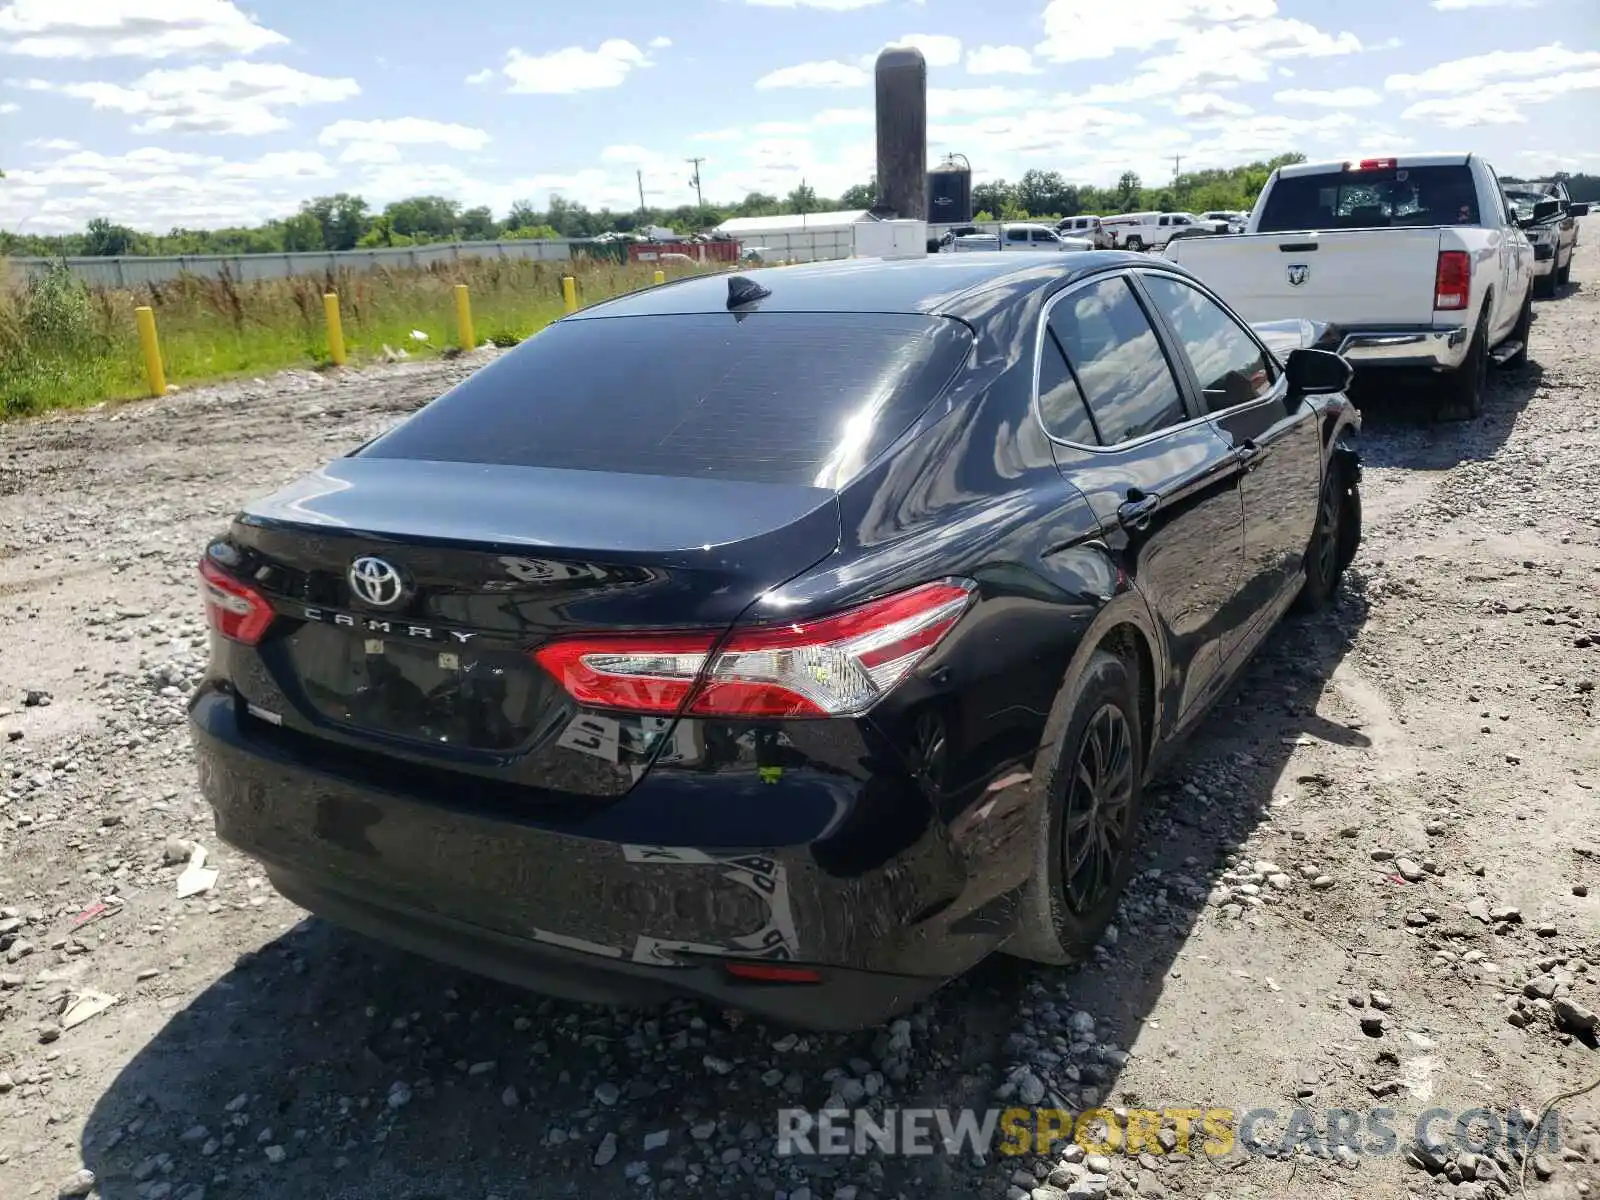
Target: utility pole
[639,174]
[695,180]
[1177,165]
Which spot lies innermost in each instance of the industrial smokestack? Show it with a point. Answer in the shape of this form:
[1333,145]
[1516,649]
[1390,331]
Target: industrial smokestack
[902,87]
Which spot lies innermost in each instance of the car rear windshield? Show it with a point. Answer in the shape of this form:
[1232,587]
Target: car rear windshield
[799,398]
[1407,196]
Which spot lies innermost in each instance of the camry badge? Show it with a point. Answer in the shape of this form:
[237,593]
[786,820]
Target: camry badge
[1298,274]
[376,582]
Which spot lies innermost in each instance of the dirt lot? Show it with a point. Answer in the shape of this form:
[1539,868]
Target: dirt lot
[1373,884]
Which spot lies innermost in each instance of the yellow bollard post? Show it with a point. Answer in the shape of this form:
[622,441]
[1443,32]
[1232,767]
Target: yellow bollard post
[330,310]
[569,292]
[145,318]
[464,317]
[661,276]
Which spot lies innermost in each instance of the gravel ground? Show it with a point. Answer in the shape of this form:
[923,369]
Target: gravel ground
[1374,881]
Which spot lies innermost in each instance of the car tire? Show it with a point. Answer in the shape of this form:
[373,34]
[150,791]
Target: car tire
[1563,275]
[1334,542]
[1521,333]
[1134,242]
[1461,391]
[1544,286]
[1064,913]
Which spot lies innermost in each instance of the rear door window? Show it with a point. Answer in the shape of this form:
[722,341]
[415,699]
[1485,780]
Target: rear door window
[1061,405]
[1119,362]
[797,398]
[1404,196]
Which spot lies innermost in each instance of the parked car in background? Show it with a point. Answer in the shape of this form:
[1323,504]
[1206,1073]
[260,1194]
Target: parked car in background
[1019,235]
[1087,227]
[1152,230]
[1233,220]
[638,665]
[1417,257]
[1555,238]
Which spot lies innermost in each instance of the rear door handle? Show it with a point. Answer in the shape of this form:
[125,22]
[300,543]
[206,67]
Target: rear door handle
[1249,455]
[1136,513]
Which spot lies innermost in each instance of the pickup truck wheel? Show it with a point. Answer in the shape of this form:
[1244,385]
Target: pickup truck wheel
[1134,242]
[1522,332]
[1544,286]
[1461,391]
[1563,275]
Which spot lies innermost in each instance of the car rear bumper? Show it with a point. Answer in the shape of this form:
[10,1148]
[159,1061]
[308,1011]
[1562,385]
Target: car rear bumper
[1406,347]
[605,920]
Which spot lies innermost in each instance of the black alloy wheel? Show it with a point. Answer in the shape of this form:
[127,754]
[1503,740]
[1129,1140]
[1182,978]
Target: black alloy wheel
[1099,804]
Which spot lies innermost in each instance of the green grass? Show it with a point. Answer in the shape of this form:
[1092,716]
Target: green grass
[63,344]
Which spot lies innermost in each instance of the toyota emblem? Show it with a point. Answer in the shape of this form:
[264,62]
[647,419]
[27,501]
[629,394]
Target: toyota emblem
[376,582]
[1298,274]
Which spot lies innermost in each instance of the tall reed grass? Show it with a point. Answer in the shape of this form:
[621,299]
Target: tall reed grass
[63,343]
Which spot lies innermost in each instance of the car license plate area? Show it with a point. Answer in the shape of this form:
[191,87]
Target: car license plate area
[432,692]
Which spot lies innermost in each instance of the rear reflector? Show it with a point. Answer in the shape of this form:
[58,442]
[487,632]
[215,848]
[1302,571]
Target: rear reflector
[235,610]
[760,972]
[835,666]
[1452,286]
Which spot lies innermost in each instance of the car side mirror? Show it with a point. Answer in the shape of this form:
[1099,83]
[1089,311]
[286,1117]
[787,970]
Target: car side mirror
[1317,372]
[1578,208]
[1546,210]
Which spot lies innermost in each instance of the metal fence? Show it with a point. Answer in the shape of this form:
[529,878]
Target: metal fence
[133,270]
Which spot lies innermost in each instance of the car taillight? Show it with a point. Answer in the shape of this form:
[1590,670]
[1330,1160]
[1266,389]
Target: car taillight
[1452,284]
[836,666]
[236,611]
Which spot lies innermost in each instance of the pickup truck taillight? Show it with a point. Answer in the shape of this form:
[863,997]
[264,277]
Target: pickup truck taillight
[1452,283]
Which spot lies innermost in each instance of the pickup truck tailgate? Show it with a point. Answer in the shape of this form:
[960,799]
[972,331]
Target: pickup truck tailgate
[1353,277]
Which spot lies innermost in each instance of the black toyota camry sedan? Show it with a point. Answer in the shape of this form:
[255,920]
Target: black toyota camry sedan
[794,639]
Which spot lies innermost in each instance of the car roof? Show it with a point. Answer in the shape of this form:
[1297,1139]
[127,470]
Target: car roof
[935,284]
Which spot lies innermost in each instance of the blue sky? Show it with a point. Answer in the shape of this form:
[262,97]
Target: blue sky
[202,112]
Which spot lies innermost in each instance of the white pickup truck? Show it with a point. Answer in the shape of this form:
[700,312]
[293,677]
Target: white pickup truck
[1418,260]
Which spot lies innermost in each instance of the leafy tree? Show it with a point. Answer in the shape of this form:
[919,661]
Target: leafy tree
[802,200]
[1128,190]
[859,195]
[344,219]
[991,196]
[425,216]
[303,231]
[104,239]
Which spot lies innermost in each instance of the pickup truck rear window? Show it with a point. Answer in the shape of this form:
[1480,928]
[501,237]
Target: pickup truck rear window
[1405,196]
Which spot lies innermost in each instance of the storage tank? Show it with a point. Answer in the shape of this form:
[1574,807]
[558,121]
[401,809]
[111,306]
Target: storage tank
[950,192]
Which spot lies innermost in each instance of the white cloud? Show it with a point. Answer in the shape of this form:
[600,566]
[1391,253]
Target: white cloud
[958,102]
[1500,103]
[284,164]
[1084,29]
[829,5]
[8,108]
[831,74]
[938,49]
[574,69]
[80,29]
[404,131]
[1208,104]
[1455,5]
[240,98]
[1349,97]
[1471,74]
[481,77]
[1000,60]
[660,43]
[373,153]
[61,144]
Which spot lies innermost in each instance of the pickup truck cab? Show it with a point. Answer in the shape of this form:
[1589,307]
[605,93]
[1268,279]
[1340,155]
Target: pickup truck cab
[1418,258]
[1154,230]
[1017,236]
[1555,239]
